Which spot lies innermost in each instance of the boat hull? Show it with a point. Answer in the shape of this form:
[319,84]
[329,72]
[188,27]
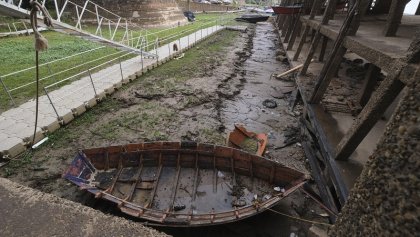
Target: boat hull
[253,19]
[183,184]
[287,10]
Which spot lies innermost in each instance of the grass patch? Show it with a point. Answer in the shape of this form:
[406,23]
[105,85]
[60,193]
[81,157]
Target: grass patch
[195,59]
[148,122]
[21,50]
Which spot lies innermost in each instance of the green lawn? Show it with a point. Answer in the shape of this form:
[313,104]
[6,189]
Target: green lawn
[17,53]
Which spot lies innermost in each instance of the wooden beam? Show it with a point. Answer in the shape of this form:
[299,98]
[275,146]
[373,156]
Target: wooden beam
[361,11]
[285,26]
[371,113]
[369,84]
[394,17]
[292,25]
[311,53]
[316,7]
[323,48]
[334,59]
[302,42]
[329,11]
[295,32]
[327,15]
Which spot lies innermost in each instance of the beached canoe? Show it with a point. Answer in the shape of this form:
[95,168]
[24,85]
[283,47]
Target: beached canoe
[183,184]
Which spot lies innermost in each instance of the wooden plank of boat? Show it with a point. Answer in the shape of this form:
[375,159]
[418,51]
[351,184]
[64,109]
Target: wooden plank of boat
[183,183]
[287,10]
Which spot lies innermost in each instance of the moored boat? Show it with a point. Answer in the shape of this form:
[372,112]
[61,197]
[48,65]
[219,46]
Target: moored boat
[183,184]
[252,18]
[287,10]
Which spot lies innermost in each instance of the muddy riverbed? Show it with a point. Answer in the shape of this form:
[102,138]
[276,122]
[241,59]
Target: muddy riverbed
[222,81]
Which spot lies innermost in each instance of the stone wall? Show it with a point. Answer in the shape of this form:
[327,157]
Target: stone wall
[146,12]
[201,7]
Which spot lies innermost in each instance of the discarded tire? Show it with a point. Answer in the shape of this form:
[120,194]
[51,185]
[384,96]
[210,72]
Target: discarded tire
[269,103]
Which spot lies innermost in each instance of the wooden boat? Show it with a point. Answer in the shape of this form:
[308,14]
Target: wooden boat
[287,10]
[183,184]
[252,18]
[294,9]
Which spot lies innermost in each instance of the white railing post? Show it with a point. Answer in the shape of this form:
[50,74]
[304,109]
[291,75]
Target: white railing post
[116,27]
[81,15]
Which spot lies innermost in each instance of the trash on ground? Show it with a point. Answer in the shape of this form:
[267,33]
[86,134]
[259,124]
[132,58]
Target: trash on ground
[248,141]
[271,104]
[180,56]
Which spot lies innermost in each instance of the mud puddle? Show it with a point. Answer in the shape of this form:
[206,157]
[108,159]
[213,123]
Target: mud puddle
[222,81]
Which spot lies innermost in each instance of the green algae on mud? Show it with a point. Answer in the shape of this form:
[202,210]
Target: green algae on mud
[110,122]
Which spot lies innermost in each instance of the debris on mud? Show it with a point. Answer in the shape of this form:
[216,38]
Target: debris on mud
[271,104]
[248,141]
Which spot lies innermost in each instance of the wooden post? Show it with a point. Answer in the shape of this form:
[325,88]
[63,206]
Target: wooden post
[387,179]
[333,62]
[285,26]
[317,37]
[323,48]
[371,113]
[329,11]
[394,17]
[369,84]
[363,7]
[316,6]
[302,42]
[311,53]
[292,26]
[296,30]
[387,91]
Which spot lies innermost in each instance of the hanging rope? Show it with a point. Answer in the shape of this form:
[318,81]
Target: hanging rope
[41,44]
[298,218]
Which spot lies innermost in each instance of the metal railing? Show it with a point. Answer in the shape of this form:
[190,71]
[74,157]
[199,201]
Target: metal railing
[60,77]
[118,69]
[106,23]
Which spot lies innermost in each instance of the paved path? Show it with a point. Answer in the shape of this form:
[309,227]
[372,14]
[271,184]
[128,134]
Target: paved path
[29,212]
[17,124]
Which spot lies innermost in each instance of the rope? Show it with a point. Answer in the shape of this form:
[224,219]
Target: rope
[298,218]
[41,44]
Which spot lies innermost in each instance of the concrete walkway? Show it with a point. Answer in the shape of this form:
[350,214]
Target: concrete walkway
[28,212]
[17,124]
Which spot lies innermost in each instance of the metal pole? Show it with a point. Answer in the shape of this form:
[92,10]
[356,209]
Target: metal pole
[93,85]
[195,37]
[156,46]
[122,77]
[141,56]
[201,34]
[8,92]
[188,41]
[179,42]
[169,47]
[48,96]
